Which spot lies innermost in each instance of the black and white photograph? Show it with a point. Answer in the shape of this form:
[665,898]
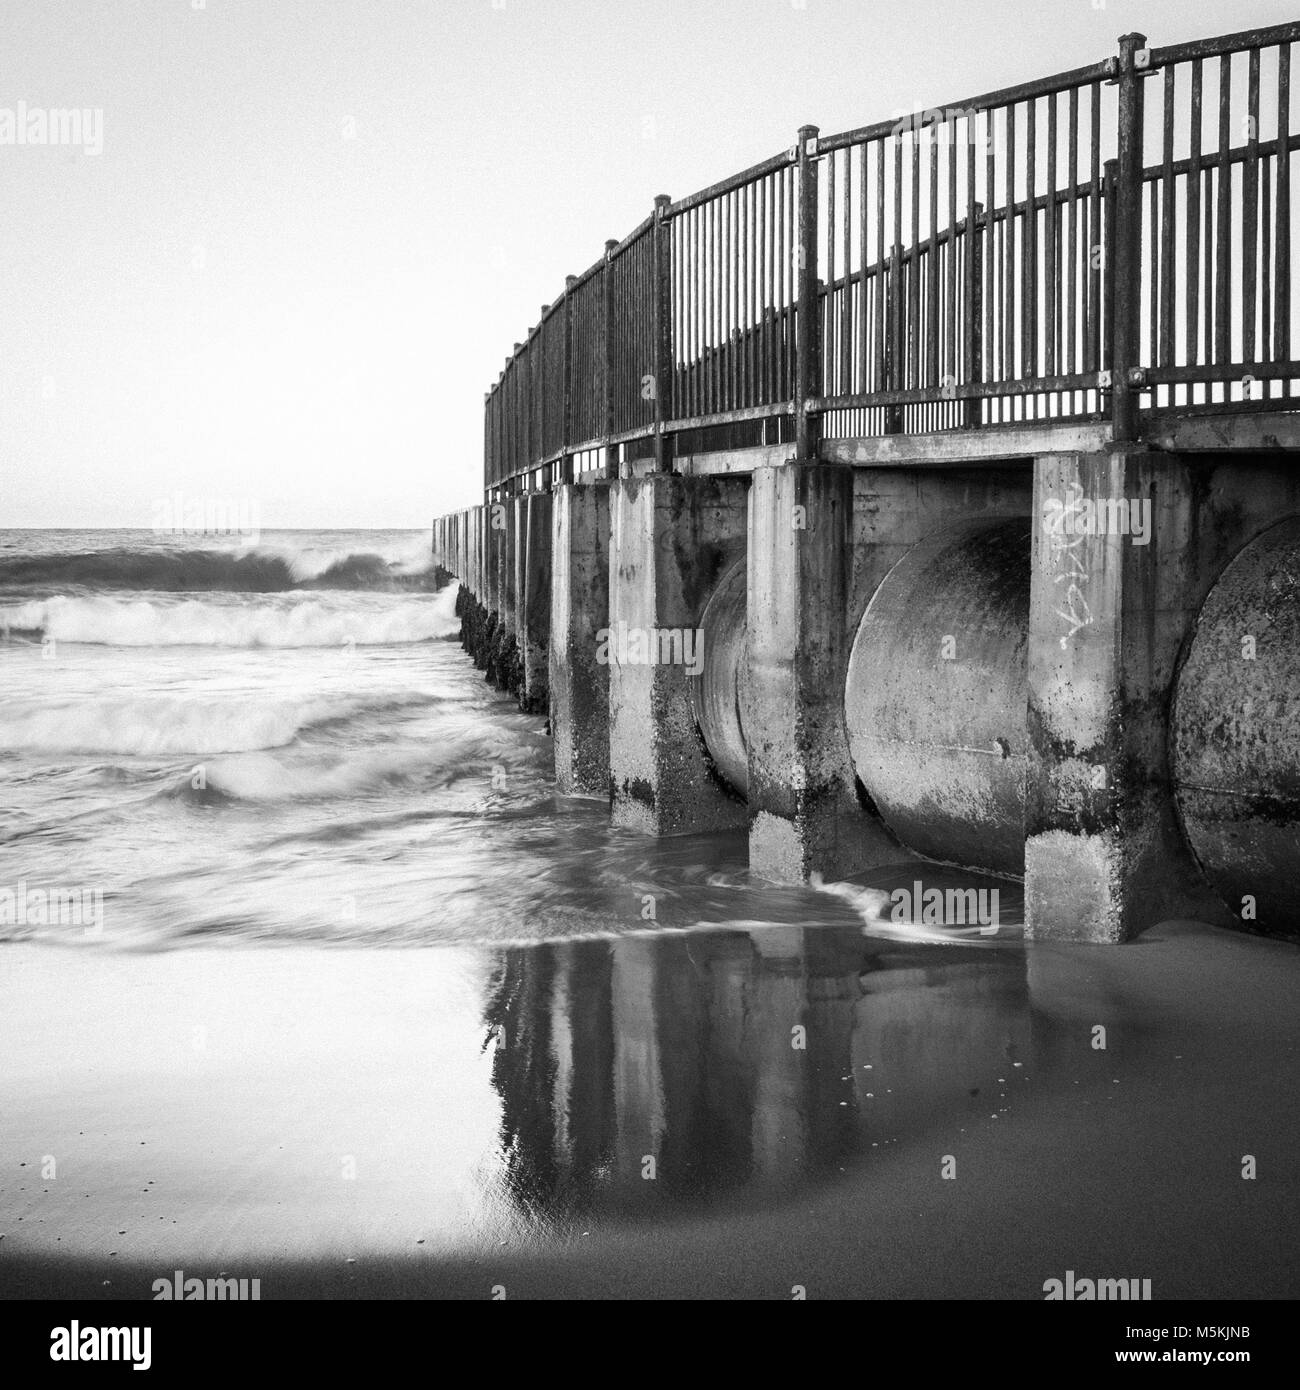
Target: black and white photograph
[649,651]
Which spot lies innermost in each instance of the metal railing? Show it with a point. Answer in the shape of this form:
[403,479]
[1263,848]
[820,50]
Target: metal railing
[1086,246]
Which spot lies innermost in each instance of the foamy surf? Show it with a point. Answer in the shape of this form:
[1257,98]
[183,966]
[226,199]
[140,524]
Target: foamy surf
[875,907]
[118,622]
[161,725]
[262,776]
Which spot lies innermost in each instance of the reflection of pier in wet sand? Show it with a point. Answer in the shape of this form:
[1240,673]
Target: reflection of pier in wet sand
[950,1127]
[663,1070]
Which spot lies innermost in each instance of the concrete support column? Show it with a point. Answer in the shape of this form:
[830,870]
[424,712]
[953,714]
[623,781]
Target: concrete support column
[511,579]
[498,530]
[480,554]
[579,684]
[533,630]
[803,812]
[672,538]
[1113,591]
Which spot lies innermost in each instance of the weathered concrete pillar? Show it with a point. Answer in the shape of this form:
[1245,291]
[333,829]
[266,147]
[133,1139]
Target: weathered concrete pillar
[480,554]
[1116,579]
[672,538]
[498,530]
[533,629]
[803,812]
[579,684]
[511,580]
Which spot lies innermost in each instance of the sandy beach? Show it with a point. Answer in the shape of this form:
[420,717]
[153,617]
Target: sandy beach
[412,1122]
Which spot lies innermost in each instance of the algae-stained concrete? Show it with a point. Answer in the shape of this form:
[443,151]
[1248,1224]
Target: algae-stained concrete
[533,630]
[804,816]
[579,684]
[671,540]
[1112,609]
[1235,734]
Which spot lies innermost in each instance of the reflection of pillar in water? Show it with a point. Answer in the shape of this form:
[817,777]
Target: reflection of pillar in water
[833,959]
[549,1010]
[808,980]
[582,1042]
[780,1124]
[523,1071]
[637,1080]
[705,996]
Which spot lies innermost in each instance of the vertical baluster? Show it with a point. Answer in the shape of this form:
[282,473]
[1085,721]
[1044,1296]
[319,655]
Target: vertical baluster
[1051,276]
[914,269]
[1009,363]
[784,254]
[756,242]
[1192,311]
[846,298]
[970,326]
[859,382]
[1282,214]
[1092,358]
[1029,256]
[1071,362]
[880,381]
[896,289]
[1157,275]
[772,379]
[791,273]
[932,289]
[1165,357]
[1223,246]
[1265,261]
[1250,211]
[992,259]
[951,280]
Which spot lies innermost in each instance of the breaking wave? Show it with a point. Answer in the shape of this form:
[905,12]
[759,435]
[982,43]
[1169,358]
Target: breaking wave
[164,725]
[197,623]
[258,569]
[261,776]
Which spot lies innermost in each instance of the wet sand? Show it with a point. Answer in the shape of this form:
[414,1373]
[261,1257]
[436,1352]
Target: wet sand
[440,1122]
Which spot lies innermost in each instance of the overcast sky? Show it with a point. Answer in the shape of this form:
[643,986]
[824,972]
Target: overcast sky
[316,227]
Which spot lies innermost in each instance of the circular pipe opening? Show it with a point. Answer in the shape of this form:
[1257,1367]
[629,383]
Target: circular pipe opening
[936,699]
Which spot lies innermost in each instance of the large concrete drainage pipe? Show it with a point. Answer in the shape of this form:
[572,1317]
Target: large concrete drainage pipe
[717,690]
[936,698]
[1235,733]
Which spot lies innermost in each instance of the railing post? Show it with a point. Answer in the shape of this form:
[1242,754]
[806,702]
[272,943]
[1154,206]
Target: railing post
[566,458]
[1125,271]
[540,369]
[607,357]
[663,328]
[518,416]
[807,382]
[974,415]
[487,439]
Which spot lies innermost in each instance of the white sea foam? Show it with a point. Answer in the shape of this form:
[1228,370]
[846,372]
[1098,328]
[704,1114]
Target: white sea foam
[119,622]
[409,555]
[158,724]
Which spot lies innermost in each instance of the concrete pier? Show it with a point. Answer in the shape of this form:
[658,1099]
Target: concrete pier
[1076,668]
[968,511]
